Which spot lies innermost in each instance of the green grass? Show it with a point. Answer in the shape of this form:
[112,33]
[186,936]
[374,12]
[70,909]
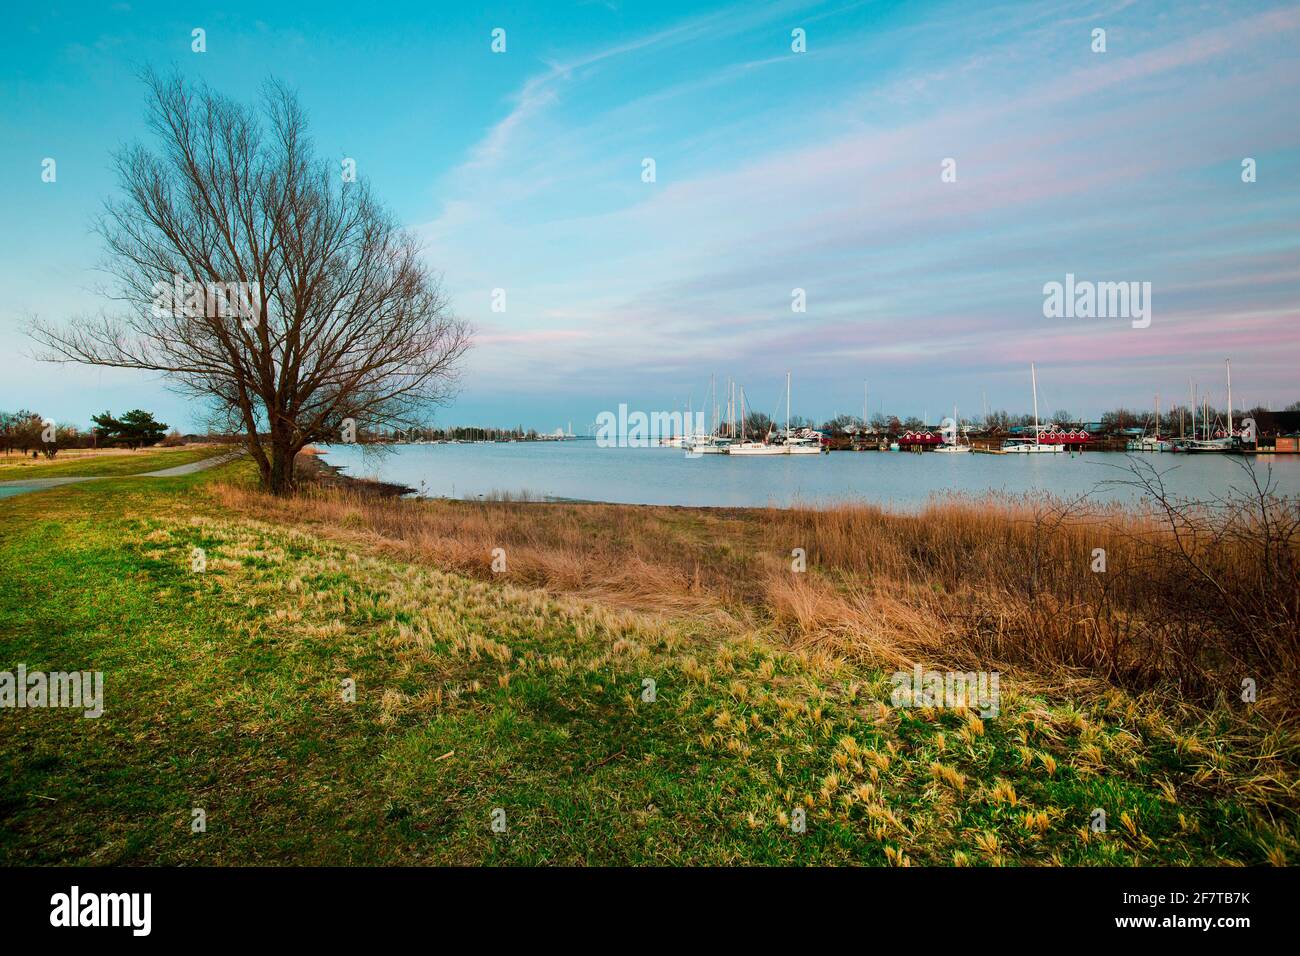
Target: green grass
[14,467]
[223,691]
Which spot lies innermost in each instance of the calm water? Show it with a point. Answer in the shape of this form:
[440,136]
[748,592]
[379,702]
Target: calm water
[664,476]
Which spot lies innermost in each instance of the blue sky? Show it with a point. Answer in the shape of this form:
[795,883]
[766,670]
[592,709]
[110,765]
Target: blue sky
[775,170]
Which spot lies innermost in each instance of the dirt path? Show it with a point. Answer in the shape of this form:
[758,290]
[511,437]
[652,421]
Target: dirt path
[23,485]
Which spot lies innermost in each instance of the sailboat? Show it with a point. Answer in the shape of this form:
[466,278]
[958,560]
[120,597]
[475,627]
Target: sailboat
[810,444]
[712,443]
[807,441]
[956,447]
[807,444]
[1152,442]
[1208,443]
[1036,444]
[746,445]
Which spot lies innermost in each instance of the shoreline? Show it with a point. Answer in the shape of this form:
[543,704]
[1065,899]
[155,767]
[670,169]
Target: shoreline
[311,466]
[897,485]
[314,470]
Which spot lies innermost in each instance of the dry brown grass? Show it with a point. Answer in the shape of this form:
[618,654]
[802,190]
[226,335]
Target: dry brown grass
[1192,601]
[17,459]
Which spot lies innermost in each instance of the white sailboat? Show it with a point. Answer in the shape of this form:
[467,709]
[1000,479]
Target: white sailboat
[1152,442]
[804,445]
[1034,445]
[955,447]
[808,441]
[790,445]
[1208,443]
[747,446]
[711,443]
[708,445]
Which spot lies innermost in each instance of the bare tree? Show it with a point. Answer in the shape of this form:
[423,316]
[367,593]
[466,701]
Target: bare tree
[312,305]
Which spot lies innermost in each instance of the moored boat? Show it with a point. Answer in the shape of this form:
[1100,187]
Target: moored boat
[952,442]
[1216,442]
[804,442]
[707,445]
[755,448]
[1152,442]
[1035,445]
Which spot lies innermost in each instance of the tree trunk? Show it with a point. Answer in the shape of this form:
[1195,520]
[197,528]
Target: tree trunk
[279,480]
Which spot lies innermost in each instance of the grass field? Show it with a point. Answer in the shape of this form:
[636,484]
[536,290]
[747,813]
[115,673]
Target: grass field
[225,691]
[105,462]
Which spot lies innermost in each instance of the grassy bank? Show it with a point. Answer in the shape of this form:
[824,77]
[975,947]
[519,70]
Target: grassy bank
[525,691]
[1182,599]
[105,462]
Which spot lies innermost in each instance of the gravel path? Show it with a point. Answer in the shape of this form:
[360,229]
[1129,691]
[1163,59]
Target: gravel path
[23,485]
[192,467]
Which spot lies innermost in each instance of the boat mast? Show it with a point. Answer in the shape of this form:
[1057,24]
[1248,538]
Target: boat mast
[731,408]
[787,406]
[1228,363]
[1157,416]
[727,398]
[1033,375]
[713,401]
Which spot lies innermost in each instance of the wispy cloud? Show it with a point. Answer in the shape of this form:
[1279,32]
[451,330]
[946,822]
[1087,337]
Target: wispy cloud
[1073,162]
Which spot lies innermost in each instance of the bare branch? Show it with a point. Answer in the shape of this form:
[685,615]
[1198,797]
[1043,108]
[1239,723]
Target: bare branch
[259,282]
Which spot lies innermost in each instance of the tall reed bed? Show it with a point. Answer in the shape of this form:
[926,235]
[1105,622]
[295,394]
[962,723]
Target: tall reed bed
[1190,597]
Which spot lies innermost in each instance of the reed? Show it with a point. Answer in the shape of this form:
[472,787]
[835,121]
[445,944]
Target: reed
[1194,598]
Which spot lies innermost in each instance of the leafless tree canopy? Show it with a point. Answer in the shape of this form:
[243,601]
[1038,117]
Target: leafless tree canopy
[349,321]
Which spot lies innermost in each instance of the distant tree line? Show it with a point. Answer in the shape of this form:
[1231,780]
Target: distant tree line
[451,433]
[1000,422]
[30,432]
[996,422]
